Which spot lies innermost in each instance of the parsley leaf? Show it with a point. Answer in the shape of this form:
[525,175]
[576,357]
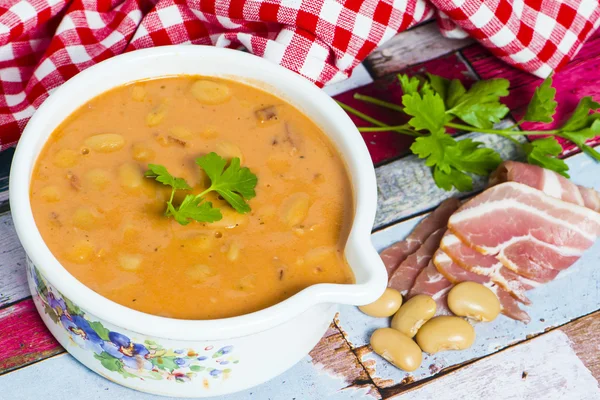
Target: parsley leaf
[409,85]
[433,148]
[428,111]
[579,137]
[451,159]
[440,85]
[446,181]
[542,105]
[455,91]
[192,208]
[163,176]
[581,117]
[234,183]
[469,157]
[543,152]
[480,106]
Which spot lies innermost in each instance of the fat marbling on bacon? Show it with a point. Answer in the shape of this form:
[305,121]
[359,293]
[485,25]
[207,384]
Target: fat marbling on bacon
[530,232]
[394,255]
[488,266]
[547,181]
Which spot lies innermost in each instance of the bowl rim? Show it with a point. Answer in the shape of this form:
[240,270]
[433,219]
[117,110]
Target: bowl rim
[358,246]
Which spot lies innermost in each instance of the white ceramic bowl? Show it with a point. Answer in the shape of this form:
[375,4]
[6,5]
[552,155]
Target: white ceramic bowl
[215,357]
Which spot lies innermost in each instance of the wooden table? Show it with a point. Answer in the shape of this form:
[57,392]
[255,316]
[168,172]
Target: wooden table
[556,356]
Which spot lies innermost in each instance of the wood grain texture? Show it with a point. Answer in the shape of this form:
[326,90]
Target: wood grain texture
[13,280]
[62,377]
[23,337]
[415,46]
[5,160]
[585,335]
[546,368]
[575,80]
[334,356]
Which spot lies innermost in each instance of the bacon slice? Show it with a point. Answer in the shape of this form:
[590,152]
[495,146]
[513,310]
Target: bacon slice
[455,274]
[547,181]
[591,198]
[432,283]
[487,266]
[530,232]
[394,255]
[403,278]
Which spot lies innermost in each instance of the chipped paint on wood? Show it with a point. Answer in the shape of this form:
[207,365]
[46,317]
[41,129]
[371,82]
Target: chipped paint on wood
[13,280]
[585,335]
[62,377]
[546,368]
[417,45]
[334,356]
[23,337]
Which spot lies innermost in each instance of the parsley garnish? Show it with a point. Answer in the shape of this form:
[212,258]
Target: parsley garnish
[234,183]
[435,104]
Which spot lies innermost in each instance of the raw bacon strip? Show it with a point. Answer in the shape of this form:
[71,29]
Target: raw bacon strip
[404,276]
[455,274]
[512,219]
[547,181]
[488,266]
[432,283]
[509,305]
[394,255]
[591,198]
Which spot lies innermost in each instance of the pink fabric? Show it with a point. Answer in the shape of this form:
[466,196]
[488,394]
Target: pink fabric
[45,42]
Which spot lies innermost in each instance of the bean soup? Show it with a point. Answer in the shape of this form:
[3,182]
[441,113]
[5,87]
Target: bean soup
[109,225]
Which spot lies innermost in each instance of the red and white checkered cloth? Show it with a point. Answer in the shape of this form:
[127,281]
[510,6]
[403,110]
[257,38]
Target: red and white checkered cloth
[45,42]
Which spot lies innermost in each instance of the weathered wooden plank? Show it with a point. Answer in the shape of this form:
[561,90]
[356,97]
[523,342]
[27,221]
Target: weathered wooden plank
[415,46]
[574,81]
[586,341]
[5,160]
[384,146]
[406,187]
[13,280]
[334,356]
[62,377]
[546,367]
[582,282]
[23,337]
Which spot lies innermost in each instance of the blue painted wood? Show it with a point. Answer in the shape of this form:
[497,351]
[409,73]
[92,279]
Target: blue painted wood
[62,377]
[574,293]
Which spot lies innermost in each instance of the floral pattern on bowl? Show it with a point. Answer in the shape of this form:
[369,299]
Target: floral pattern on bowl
[118,353]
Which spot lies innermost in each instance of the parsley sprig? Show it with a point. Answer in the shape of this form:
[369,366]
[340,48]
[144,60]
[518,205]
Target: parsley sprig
[234,183]
[436,104]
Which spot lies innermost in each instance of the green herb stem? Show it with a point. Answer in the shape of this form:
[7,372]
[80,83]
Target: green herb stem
[361,115]
[373,100]
[501,131]
[404,129]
